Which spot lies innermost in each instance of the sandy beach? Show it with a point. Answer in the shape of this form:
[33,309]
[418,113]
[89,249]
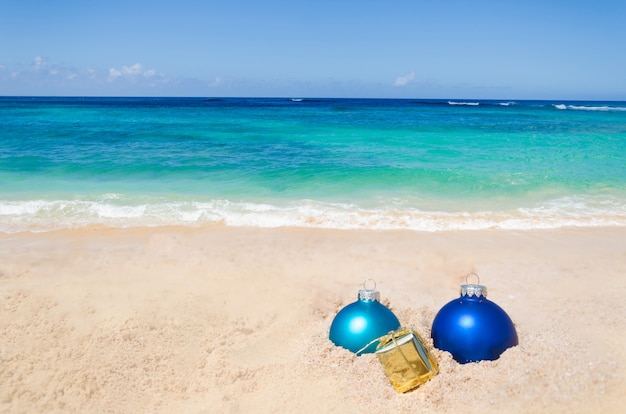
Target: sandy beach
[235,320]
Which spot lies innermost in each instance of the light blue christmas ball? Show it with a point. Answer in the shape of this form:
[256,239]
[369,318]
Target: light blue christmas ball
[361,322]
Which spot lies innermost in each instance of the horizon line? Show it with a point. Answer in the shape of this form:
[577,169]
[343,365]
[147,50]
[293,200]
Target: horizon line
[464,99]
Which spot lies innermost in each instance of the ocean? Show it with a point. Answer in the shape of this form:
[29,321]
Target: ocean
[414,164]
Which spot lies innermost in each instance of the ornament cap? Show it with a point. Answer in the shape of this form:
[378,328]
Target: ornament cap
[473,289]
[368,294]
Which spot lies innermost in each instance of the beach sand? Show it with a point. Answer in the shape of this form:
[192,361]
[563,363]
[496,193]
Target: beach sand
[235,320]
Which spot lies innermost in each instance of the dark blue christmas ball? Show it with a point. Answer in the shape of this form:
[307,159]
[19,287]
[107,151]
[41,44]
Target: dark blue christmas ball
[361,322]
[473,328]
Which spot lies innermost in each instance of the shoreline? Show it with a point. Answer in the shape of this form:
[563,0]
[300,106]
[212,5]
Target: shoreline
[235,319]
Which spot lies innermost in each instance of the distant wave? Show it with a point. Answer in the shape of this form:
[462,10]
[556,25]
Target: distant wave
[48,215]
[604,108]
[463,103]
[506,103]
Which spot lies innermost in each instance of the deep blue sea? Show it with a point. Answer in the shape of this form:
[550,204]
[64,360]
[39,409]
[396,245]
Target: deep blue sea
[427,165]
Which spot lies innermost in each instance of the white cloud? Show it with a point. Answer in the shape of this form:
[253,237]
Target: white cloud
[40,76]
[404,80]
[136,69]
[114,74]
[217,81]
[132,71]
[39,62]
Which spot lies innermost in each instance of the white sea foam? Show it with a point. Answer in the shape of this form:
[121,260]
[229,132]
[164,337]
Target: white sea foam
[464,103]
[42,215]
[603,108]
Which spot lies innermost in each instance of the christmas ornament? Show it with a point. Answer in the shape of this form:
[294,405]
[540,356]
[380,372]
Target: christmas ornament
[473,328]
[358,325]
[405,359]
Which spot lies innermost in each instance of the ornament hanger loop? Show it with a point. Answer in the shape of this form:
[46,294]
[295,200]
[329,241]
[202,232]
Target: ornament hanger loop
[472,274]
[470,289]
[365,284]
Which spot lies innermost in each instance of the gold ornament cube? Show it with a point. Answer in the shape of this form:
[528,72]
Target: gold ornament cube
[405,359]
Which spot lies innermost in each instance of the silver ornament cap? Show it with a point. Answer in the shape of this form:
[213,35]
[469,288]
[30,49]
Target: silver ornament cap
[368,294]
[473,289]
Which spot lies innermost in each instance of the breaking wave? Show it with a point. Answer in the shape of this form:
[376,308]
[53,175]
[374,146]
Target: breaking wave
[603,108]
[48,215]
[463,103]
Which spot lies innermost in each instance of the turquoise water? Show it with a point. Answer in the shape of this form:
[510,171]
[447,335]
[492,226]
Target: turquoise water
[337,163]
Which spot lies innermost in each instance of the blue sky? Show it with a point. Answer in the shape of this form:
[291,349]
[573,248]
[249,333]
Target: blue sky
[518,49]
